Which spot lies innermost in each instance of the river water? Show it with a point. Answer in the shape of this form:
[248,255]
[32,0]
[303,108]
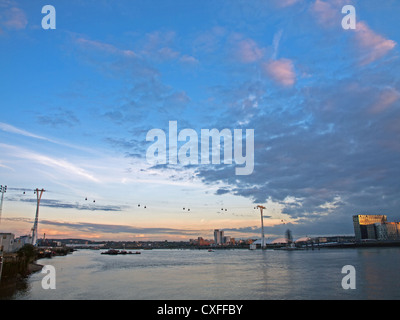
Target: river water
[221,274]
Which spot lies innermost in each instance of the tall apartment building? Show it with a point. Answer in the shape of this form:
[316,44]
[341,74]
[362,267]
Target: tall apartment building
[218,236]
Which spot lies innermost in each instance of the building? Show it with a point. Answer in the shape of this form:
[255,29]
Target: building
[218,236]
[375,227]
[7,242]
[387,231]
[364,225]
[21,241]
[203,242]
[226,240]
[393,230]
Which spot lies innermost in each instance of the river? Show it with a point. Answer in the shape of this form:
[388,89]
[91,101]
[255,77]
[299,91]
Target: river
[173,274]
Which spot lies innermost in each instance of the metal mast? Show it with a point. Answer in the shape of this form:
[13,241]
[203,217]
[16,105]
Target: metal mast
[3,190]
[262,227]
[39,194]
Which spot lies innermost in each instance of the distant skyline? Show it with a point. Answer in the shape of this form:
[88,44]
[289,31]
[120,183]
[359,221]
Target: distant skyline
[77,102]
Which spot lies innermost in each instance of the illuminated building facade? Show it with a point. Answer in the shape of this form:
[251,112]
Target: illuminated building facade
[375,227]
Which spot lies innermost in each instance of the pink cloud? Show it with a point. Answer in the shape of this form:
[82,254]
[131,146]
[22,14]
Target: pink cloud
[15,18]
[248,51]
[372,45]
[281,71]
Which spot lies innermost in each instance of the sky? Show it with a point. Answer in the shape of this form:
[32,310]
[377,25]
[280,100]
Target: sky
[78,101]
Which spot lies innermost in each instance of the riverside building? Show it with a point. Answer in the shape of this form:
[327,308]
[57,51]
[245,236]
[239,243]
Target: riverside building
[375,227]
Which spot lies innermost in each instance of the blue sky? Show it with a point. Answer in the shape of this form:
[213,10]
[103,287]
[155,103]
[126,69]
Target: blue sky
[77,102]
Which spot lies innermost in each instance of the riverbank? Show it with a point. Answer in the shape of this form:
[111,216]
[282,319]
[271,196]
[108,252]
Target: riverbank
[23,263]
[18,266]
[16,269]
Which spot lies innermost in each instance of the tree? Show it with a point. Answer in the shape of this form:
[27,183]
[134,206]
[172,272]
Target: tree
[28,251]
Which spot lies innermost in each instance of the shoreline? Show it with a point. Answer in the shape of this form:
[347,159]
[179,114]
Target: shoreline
[313,246]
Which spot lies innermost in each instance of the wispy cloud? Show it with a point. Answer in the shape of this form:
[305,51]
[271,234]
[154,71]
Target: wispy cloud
[9,128]
[59,164]
[5,166]
[275,44]
[104,47]
[12,129]
[52,203]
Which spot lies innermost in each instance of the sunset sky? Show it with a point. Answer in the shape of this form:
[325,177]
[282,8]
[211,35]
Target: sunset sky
[77,102]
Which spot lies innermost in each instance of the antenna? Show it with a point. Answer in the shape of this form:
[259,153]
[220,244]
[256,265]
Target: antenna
[39,194]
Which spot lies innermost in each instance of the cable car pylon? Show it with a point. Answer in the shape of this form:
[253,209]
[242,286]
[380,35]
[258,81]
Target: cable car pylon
[262,226]
[39,194]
